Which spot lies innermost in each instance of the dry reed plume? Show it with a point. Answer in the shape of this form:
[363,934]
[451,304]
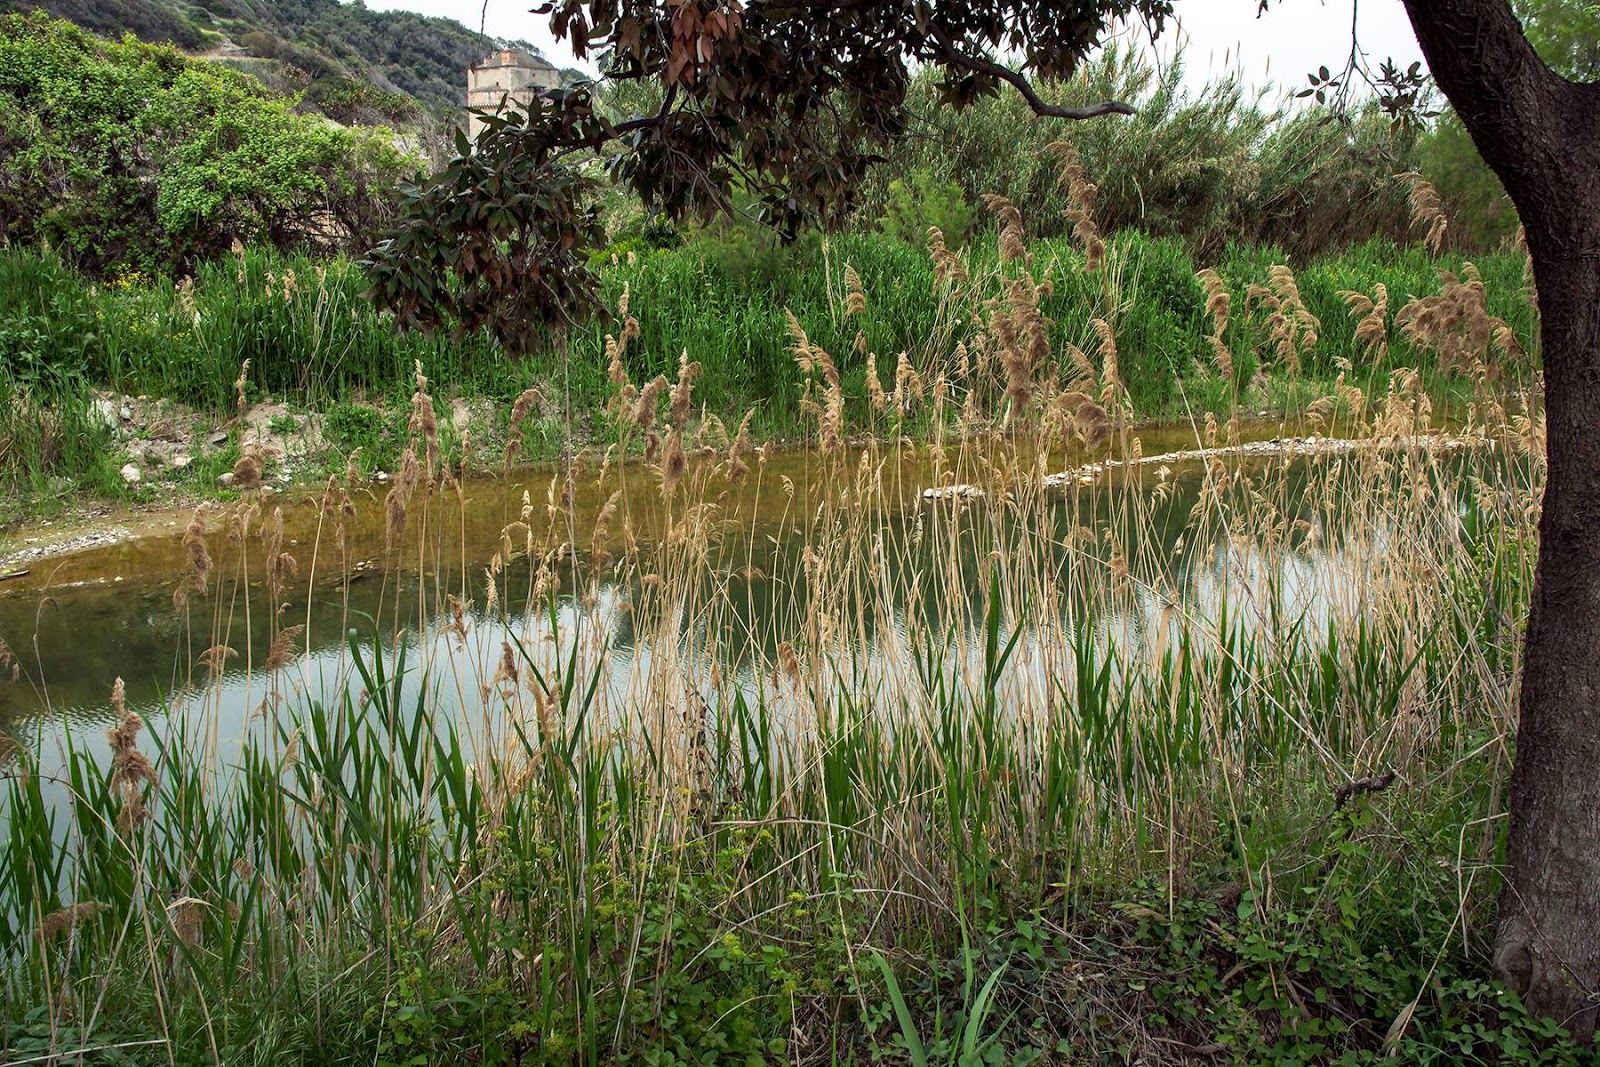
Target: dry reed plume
[521,408]
[65,919]
[947,266]
[1081,194]
[131,770]
[1292,330]
[855,299]
[424,425]
[194,549]
[281,653]
[813,359]
[1218,306]
[1456,326]
[397,502]
[1371,315]
[1013,238]
[1427,210]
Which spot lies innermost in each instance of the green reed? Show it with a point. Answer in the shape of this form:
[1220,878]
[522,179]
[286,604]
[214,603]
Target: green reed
[312,339]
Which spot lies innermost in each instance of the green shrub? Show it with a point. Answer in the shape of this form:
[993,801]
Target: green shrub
[922,200]
[128,157]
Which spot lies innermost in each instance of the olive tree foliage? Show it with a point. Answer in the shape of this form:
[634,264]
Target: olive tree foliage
[783,104]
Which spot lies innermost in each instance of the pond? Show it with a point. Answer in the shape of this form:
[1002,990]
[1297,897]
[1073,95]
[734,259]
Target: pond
[711,590]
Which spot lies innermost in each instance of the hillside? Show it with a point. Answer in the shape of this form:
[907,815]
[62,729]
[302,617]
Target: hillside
[353,64]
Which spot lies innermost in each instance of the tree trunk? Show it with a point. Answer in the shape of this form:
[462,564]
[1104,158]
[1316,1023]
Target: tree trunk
[1548,944]
[1541,135]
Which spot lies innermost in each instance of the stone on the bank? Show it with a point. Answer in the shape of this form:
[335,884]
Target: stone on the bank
[181,461]
[105,410]
[225,479]
[130,474]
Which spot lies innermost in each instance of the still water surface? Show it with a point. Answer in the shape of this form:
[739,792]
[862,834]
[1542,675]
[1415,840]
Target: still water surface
[79,623]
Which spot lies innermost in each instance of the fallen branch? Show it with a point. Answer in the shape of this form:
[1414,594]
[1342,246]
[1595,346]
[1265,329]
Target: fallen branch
[1362,786]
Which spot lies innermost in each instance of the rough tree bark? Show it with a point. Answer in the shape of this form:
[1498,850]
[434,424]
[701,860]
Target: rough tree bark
[1541,135]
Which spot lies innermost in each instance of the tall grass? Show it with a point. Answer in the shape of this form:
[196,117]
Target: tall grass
[49,433]
[311,339]
[1018,723]
[1218,165]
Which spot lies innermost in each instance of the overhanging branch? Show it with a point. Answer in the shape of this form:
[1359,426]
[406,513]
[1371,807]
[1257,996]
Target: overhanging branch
[955,57]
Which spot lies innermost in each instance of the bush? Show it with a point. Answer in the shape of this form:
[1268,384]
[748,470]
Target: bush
[923,200]
[130,157]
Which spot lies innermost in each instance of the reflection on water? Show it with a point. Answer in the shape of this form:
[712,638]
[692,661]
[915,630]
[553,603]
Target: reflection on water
[754,595]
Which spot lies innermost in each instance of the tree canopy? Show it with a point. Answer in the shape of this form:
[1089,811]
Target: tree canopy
[785,103]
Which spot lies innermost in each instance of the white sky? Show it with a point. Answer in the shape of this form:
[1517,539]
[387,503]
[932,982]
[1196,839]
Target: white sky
[1294,37]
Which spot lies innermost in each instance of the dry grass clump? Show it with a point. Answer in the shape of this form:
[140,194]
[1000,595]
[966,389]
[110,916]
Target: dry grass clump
[1427,210]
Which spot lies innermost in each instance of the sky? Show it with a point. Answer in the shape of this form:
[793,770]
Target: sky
[1294,37]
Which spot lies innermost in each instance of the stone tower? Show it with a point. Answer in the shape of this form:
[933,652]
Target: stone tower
[508,75]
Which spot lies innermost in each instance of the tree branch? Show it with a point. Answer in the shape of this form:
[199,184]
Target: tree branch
[1519,112]
[955,57]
